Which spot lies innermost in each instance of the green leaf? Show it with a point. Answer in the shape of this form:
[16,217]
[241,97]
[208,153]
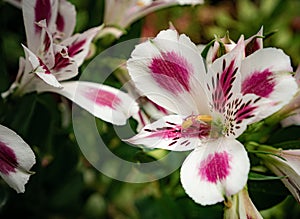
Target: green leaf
[206,49]
[295,144]
[257,176]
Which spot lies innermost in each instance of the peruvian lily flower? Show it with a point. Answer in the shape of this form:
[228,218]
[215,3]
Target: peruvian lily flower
[212,104]
[16,159]
[287,165]
[241,206]
[52,54]
[122,13]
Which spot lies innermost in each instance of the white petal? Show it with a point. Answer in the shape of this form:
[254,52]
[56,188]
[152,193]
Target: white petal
[292,158]
[165,134]
[254,43]
[33,12]
[190,2]
[66,18]
[64,67]
[241,111]
[16,172]
[291,178]
[265,73]
[223,78]
[168,69]
[40,69]
[291,120]
[104,102]
[269,58]
[246,207]
[217,169]
[79,44]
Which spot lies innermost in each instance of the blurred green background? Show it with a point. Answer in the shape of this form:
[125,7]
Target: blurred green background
[65,184]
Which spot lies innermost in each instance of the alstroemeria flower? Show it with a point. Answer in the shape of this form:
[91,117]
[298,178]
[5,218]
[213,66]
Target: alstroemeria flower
[16,159]
[122,13]
[241,206]
[53,55]
[288,168]
[212,107]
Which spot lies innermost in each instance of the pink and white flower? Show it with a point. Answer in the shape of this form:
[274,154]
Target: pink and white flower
[16,159]
[54,55]
[212,105]
[122,13]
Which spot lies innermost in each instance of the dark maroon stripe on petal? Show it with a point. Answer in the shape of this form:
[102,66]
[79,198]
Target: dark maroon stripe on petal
[76,47]
[253,46]
[8,159]
[42,10]
[61,60]
[158,107]
[60,22]
[171,71]
[245,112]
[102,97]
[215,167]
[45,68]
[222,84]
[47,42]
[259,83]
[238,111]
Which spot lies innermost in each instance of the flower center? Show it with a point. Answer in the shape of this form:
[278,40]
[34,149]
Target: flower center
[201,126]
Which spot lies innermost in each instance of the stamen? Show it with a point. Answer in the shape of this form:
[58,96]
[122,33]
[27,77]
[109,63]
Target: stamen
[196,126]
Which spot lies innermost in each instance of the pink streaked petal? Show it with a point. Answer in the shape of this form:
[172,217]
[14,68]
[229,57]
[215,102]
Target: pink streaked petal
[104,102]
[40,69]
[46,50]
[168,69]
[142,120]
[242,111]
[266,74]
[33,12]
[281,95]
[223,78]
[79,44]
[214,170]
[268,59]
[16,159]
[165,133]
[64,67]
[66,19]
